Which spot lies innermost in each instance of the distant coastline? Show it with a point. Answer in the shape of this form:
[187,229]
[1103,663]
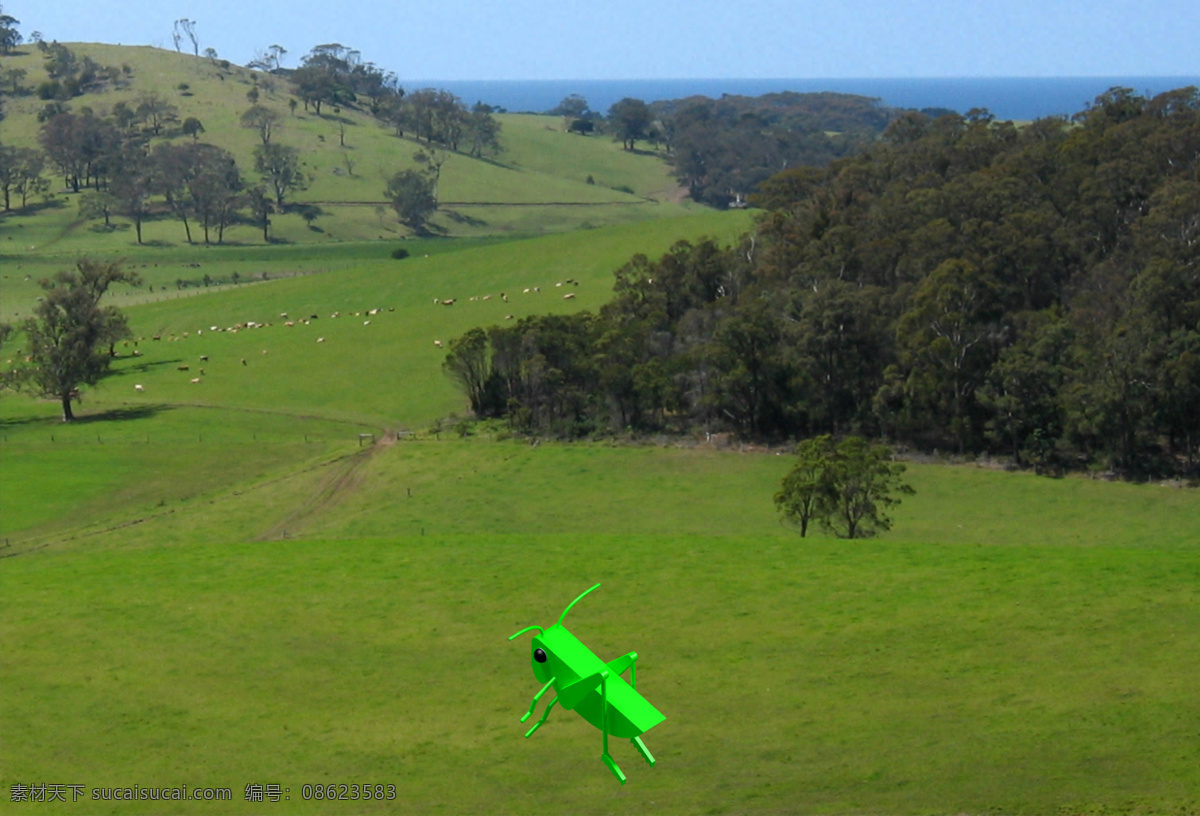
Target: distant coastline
[1005,97]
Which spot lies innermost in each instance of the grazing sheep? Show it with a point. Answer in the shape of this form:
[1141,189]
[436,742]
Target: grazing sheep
[373,312]
[504,297]
[290,323]
[182,368]
[336,314]
[436,301]
[283,315]
[195,380]
[558,284]
[320,339]
[448,302]
[508,317]
[202,372]
[139,388]
[537,288]
[264,351]
[244,361]
[204,358]
[137,353]
[366,322]
[568,295]
[437,343]
[526,292]
[487,297]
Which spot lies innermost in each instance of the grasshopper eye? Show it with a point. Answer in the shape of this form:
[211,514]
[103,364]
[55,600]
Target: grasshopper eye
[539,655]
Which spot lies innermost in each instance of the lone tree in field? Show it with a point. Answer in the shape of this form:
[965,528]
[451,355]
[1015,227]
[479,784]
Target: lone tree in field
[71,336]
[412,197]
[846,487]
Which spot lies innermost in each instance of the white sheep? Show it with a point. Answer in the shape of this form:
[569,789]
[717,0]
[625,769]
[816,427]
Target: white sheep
[139,388]
[437,343]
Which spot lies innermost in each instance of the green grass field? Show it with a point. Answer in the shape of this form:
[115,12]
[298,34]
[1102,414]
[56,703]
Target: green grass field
[892,676]
[226,583]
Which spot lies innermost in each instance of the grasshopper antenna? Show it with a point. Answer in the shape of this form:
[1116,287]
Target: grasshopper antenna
[572,603]
[541,631]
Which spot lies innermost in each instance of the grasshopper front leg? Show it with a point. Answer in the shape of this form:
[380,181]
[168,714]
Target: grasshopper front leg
[545,714]
[537,697]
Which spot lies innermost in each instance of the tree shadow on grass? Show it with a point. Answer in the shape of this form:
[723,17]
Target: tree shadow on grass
[110,415]
[123,414]
[463,218]
[147,365]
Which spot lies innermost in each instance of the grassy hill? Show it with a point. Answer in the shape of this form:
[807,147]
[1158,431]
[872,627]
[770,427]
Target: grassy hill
[536,183]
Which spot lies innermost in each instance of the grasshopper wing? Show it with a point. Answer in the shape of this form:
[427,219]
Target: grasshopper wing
[571,695]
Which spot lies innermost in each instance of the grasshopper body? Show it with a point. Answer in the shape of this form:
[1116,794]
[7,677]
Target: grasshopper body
[592,688]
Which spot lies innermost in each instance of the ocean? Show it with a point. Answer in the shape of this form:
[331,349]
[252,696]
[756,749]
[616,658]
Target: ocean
[1004,97]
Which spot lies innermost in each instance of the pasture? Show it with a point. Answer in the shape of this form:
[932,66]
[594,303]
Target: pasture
[931,671]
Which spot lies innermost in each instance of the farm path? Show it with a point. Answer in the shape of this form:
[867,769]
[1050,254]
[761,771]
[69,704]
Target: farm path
[344,477]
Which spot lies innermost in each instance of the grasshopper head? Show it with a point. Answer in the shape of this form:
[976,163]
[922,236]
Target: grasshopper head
[552,648]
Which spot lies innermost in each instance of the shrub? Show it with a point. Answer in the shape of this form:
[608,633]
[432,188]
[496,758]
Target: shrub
[399,253]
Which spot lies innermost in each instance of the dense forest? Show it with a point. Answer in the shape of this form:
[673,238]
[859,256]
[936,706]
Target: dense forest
[962,284]
[723,149]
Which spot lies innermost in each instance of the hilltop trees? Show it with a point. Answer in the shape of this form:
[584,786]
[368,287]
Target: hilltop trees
[630,119]
[336,75]
[440,117]
[70,336]
[10,37]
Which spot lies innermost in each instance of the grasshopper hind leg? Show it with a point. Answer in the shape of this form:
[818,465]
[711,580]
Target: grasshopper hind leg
[643,750]
[612,766]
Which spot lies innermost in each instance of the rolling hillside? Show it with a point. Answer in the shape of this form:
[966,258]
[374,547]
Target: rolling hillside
[537,182]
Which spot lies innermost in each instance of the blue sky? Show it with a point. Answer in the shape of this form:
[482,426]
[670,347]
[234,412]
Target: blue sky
[653,39]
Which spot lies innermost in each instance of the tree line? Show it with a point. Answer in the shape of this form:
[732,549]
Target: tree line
[961,284]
